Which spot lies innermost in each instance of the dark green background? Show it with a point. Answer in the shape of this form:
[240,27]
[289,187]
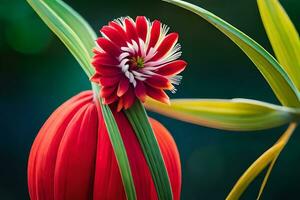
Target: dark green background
[37,74]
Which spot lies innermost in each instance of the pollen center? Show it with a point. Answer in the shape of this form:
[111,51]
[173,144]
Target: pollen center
[137,62]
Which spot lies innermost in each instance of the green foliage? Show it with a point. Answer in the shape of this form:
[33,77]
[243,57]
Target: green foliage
[237,114]
[277,78]
[283,37]
[260,164]
[282,76]
[234,115]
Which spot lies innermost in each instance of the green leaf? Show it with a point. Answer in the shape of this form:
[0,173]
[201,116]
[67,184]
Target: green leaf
[71,29]
[79,38]
[140,123]
[283,37]
[260,164]
[277,78]
[236,114]
[118,146]
[81,28]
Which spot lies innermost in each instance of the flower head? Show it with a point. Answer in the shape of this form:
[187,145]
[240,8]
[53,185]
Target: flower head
[136,59]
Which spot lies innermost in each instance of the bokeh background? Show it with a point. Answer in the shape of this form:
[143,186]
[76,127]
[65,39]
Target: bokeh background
[37,74]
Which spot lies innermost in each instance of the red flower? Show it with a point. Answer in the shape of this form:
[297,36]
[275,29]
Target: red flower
[136,59]
[72,157]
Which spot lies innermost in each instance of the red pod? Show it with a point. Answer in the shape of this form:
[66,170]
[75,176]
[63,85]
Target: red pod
[72,157]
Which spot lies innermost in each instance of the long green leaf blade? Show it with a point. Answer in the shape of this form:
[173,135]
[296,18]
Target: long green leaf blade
[260,164]
[140,123]
[235,115]
[283,36]
[81,28]
[79,38]
[277,78]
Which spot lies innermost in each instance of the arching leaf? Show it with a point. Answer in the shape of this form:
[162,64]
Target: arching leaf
[273,72]
[283,37]
[235,114]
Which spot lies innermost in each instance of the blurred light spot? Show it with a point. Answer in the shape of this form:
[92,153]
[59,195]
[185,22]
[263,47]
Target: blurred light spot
[29,36]
[12,10]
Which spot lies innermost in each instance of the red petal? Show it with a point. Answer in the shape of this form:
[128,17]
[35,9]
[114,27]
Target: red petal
[108,71]
[109,81]
[157,94]
[111,99]
[142,27]
[155,33]
[96,78]
[120,105]
[119,28]
[123,86]
[104,59]
[108,47]
[128,98]
[159,82]
[115,36]
[131,31]
[75,164]
[172,68]
[140,91]
[166,45]
[107,91]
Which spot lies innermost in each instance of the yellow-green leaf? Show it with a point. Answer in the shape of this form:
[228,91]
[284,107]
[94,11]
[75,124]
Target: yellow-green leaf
[277,78]
[283,36]
[260,164]
[236,114]
[263,185]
